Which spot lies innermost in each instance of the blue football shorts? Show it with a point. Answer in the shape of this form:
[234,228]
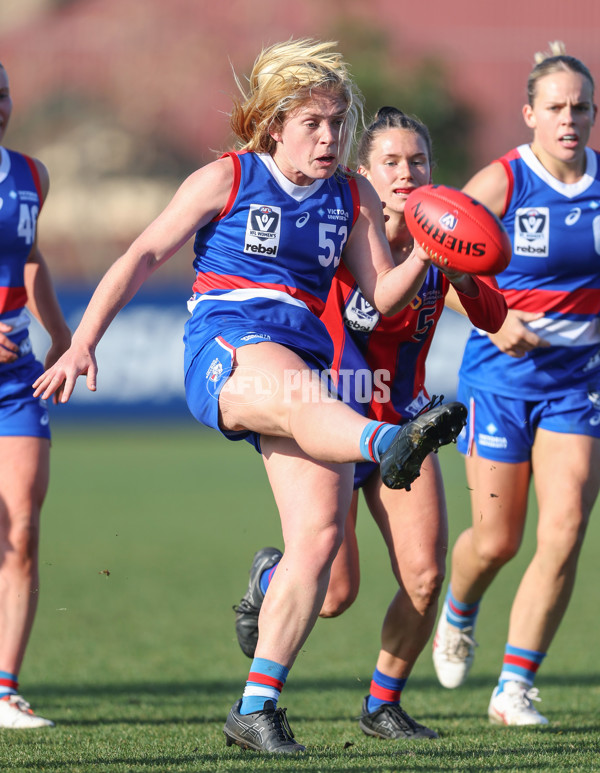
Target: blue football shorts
[503,428]
[212,366]
[22,414]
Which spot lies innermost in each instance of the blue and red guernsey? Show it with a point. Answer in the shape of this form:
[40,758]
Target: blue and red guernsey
[275,225]
[20,203]
[554,228]
[379,362]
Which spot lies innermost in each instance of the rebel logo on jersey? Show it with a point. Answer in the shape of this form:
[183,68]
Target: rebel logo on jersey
[263,230]
[359,315]
[532,231]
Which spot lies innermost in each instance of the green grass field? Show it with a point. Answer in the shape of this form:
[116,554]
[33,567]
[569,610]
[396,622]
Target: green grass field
[147,539]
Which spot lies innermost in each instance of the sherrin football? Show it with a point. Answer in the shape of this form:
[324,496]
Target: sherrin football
[457,231]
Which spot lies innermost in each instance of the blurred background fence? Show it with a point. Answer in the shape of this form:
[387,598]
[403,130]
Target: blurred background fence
[122,100]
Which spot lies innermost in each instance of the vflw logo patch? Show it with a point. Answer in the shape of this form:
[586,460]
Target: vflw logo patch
[263,230]
[532,231]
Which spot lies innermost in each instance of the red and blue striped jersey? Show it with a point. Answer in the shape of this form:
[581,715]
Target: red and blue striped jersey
[265,264]
[555,269]
[379,362]
[275,235]
[20,203]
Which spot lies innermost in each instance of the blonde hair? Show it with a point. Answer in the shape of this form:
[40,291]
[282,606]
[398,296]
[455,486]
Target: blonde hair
[283,78]
[555,60]
[557,48]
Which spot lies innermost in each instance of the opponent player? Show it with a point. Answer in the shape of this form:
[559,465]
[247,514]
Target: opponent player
[24,431]
[380,367]
[271,224]
[533,389]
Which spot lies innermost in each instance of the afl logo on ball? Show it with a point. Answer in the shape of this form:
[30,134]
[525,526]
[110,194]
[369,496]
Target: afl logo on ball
[449,221]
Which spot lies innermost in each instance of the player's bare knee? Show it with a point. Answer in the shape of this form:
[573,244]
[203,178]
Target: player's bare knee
[318,547]
[19,548]
[425,591]
[331,541]
[338,600]
[561,548]
[493,555]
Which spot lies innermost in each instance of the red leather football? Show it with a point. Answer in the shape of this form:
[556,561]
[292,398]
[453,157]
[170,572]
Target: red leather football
[457,231]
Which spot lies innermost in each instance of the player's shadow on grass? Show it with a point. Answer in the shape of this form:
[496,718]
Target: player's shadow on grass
[300,684]
[375,757]
[164,703]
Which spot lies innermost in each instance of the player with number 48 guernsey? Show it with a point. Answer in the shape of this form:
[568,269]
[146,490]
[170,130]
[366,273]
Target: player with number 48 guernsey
[21,199]
[24,424]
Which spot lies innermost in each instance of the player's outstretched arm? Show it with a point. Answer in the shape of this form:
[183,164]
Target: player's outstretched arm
[200,198]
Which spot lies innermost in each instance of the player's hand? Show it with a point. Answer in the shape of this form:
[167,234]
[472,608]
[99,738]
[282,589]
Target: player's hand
[421,253]
[514,337]
[9,350]
[453,276]
[60,379]
[462,282]
[58,346]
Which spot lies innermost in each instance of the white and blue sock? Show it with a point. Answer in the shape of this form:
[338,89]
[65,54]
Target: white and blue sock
[460,614]
[9,684]
[519,665]
[265,683]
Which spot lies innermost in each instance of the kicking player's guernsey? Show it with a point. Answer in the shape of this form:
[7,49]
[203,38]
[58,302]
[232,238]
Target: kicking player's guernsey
[379,362]
[266,263]
[555,269]
[20,203]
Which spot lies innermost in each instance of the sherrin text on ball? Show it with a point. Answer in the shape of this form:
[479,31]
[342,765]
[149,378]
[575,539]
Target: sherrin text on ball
[457,231]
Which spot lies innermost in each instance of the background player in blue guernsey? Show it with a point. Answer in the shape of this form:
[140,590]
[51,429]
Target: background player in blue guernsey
[379,369]
[533,389]
[271,224]
[24,429]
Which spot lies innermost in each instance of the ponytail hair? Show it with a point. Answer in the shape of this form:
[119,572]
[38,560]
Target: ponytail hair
[556,60]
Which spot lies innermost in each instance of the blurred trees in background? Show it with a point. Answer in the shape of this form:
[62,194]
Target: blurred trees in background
[118,141]
[422,91]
